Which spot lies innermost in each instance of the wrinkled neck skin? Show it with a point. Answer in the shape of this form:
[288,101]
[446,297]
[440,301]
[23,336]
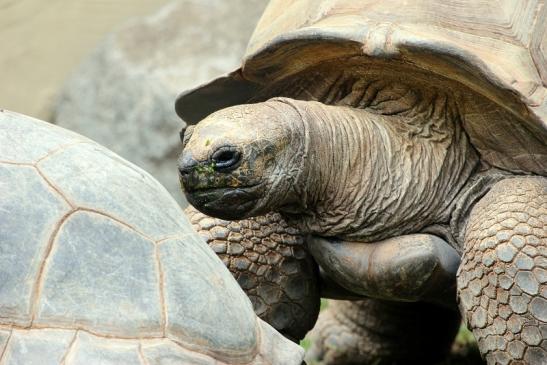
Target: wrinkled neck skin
[365,176]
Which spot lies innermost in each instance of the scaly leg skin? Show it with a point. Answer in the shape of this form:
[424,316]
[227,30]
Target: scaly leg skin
[502,281]
[373,331]
[269,261]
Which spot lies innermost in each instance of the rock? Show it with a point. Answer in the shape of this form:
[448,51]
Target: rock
[123,95]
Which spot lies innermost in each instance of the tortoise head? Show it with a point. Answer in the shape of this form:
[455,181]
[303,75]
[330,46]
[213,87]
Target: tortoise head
[233,159]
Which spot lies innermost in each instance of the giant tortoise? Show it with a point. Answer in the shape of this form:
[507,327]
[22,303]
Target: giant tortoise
[98,265]
[401,137]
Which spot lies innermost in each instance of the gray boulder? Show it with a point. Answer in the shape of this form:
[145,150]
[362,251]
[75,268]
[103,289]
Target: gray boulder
[123,95]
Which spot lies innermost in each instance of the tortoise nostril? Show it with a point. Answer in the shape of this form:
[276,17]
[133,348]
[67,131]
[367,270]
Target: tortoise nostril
[186,164]
[185,172]
[226,158]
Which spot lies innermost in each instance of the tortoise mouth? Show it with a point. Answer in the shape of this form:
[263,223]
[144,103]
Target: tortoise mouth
[230,203]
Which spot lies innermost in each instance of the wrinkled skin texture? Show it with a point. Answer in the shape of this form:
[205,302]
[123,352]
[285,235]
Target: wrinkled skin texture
[330,171]
[361,175]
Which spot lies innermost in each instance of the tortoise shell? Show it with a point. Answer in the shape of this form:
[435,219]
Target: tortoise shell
[99,264]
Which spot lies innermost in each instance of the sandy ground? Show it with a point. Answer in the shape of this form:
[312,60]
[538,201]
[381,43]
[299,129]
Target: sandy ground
[42,41]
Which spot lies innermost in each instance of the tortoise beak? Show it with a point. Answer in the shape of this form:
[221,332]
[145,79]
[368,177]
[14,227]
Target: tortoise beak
[224,203]
[186,163]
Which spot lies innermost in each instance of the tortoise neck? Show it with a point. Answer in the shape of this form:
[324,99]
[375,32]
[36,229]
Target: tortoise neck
[369,176]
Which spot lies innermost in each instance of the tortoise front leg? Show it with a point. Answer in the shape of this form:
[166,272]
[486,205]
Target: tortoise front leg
[417,267]
[502,281]
[269,261]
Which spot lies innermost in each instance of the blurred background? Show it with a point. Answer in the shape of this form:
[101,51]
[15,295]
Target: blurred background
[44,40]
[111,69]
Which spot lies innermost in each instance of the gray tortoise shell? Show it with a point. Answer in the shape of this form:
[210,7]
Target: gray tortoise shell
[98,264]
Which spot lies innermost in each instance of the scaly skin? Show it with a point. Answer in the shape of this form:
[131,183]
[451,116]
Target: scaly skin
[268,260]
[372,331]
[502,280]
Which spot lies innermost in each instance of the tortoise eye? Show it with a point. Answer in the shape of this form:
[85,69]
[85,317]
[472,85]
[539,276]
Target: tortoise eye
[185,134]
[226,158]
